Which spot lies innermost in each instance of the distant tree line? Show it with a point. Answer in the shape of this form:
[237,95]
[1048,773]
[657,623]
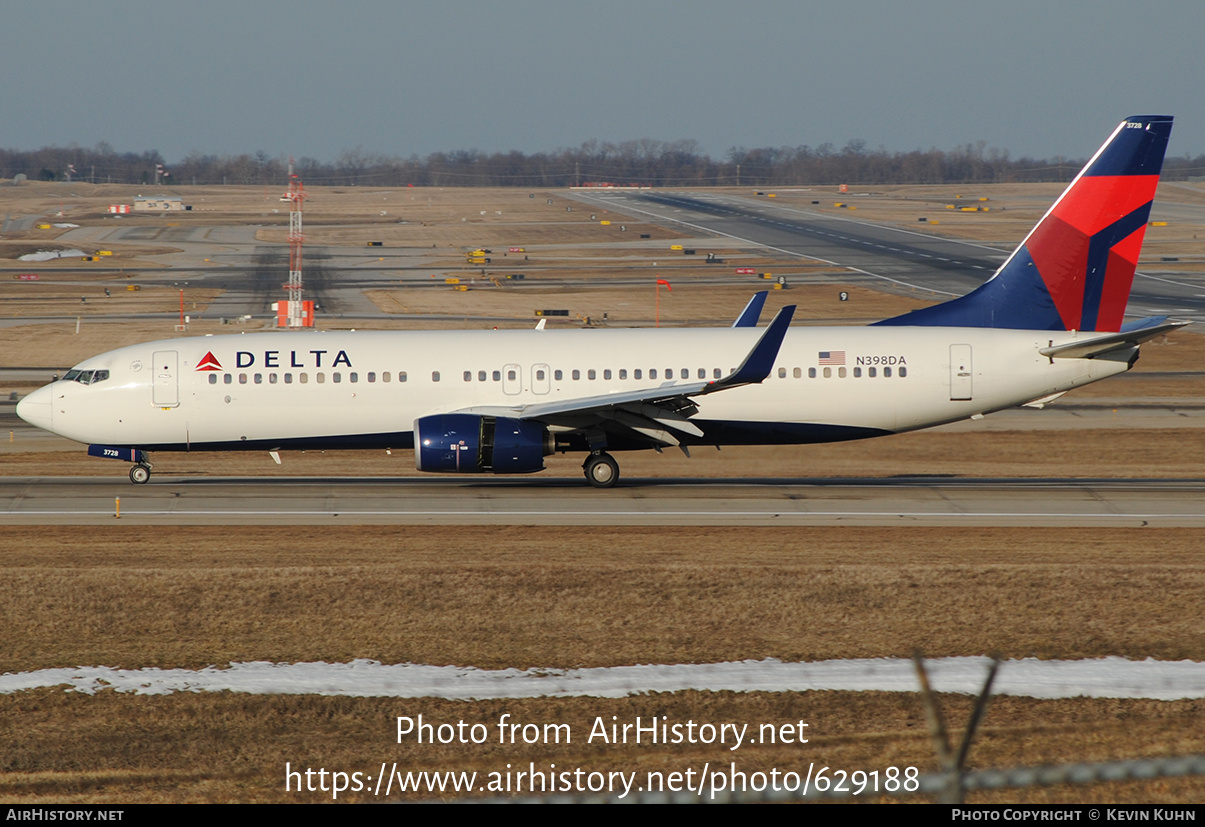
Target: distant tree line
[645,162]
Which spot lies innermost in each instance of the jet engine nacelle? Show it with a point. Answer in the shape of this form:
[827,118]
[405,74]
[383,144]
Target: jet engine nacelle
[470,444]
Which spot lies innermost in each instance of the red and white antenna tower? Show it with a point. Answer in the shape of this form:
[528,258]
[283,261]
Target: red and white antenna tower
[296,195]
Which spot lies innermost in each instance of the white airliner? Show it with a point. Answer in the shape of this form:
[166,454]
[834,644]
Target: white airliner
[499,401]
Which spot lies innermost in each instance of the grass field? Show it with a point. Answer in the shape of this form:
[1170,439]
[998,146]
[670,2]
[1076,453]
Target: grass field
[565,598]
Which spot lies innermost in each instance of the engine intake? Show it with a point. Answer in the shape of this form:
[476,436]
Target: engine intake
[471,444]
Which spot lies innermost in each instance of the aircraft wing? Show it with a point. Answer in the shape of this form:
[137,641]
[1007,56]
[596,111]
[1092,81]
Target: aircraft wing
[1098,345]
[651,412]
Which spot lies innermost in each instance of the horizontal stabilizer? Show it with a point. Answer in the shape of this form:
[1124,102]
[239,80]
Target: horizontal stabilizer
[1093,346]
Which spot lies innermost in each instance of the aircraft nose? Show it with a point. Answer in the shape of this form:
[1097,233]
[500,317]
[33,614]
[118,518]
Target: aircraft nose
[36,409]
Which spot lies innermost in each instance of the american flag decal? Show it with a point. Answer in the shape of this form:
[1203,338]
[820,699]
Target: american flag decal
[832,357]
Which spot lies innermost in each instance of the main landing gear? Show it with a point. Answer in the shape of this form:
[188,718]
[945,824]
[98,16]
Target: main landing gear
[140,473]
[602,471]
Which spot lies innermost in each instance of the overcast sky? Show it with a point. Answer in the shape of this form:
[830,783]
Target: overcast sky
[311,78]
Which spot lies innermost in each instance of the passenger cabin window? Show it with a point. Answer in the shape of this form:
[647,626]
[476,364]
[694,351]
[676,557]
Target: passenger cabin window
[577,374]
[434,376]
[242,378]
[304,378]
[320,377]
[481,376]
[639,374]
[227,379]
[782,373]
[558,375]
[887,372]
[272,378]
[385,376]
[353,376]
[336,377]
[798,373]
[468,376]
[652,373]
[903,372]
[497,376]
[840,373]
[828,372]
[401,376]
[811,373]
[623,373]
[857,373]
[213,378]
[288,378]
[540,375]
[590,374]
[259,378]
[372,377]
[870,372]
[511,375]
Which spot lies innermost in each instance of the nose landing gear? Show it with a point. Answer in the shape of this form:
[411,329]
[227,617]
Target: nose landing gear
[602,471]
[140,473]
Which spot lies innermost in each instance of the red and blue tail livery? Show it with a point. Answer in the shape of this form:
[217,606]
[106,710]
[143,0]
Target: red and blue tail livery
[1075,268]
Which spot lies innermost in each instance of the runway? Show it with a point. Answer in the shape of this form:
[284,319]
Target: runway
[902,501]
[884,256]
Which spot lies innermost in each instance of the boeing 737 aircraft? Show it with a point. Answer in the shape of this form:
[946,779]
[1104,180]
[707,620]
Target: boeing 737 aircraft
[500,401]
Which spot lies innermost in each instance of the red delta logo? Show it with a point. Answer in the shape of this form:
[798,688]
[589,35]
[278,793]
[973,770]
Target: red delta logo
[209,362]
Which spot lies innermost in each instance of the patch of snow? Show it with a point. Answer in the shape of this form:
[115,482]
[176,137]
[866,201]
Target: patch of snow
[50,255]
[1111,677]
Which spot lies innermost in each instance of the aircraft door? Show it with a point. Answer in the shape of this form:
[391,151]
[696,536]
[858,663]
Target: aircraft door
[540,382]
[165,392]
[512,379]
[960,373]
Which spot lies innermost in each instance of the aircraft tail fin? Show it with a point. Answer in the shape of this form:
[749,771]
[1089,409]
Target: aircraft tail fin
[1075,268]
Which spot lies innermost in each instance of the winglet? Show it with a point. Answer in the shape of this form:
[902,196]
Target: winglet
[760,361]
[752,313]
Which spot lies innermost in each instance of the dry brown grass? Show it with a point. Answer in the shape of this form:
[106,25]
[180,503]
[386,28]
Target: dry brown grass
[568,597]
[51,299]
[693,304]
[112,748]
[497,597]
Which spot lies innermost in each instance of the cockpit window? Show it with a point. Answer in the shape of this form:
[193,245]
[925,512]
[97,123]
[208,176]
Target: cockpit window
[86,377]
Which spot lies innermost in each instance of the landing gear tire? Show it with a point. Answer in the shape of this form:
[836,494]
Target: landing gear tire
[602,471]
[139,474]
